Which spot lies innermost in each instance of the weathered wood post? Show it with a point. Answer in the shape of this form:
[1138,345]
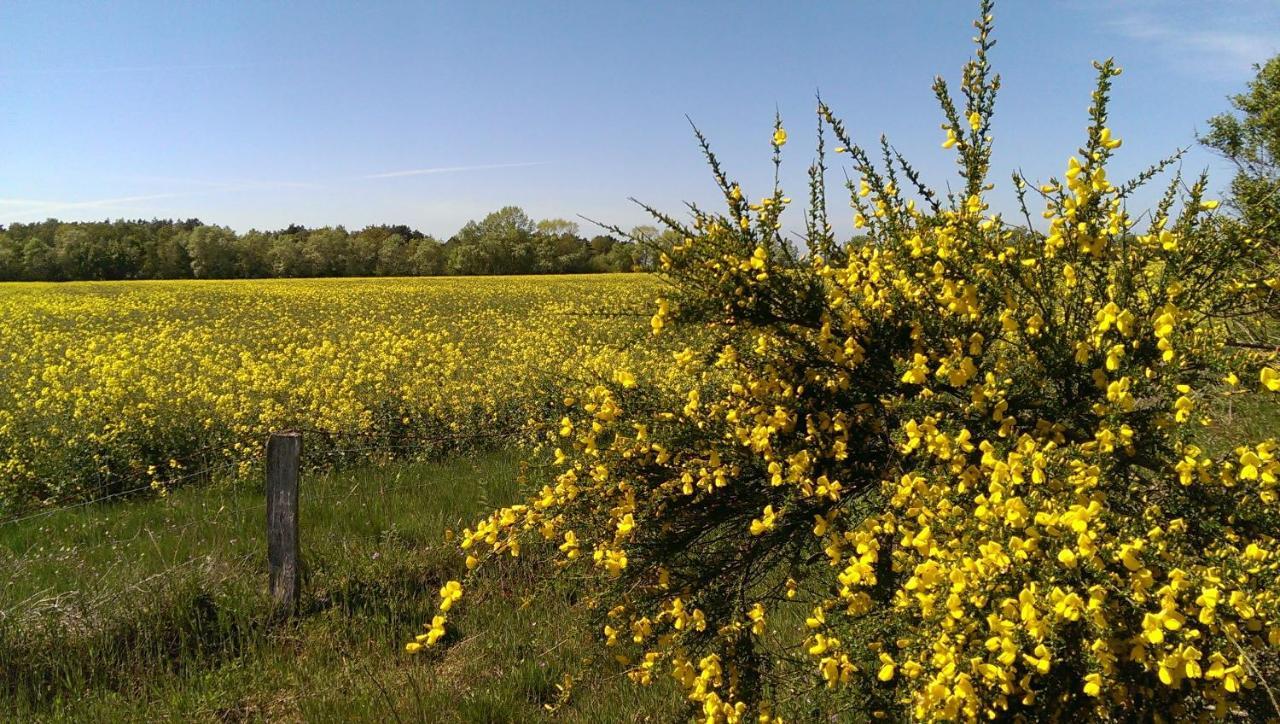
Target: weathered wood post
[284,455]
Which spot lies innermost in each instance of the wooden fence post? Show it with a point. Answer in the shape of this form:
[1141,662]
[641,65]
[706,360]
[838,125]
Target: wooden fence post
[284,454]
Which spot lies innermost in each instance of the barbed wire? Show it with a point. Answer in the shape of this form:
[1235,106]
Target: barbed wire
[184,515]
[117,494]
[168,572]
[100,476]
[512,431]
[31,604]
[224,512]
[423,442]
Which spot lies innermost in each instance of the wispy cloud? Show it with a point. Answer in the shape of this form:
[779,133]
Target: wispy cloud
[450,169]
[224,184]
[30,207]
[21,208]
[1218,40]
[38,208]
[101,69]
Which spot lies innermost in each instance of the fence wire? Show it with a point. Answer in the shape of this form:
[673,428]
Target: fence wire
[335,448]
[381,441]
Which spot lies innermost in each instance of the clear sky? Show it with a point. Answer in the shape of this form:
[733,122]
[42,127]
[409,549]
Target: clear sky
[430,114]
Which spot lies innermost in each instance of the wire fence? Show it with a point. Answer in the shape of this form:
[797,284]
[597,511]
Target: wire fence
[102,478]
[95,597]
[169,482]
[232,515]
[400,443]
[330,450]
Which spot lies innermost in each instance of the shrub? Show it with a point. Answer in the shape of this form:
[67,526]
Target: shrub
[944,470]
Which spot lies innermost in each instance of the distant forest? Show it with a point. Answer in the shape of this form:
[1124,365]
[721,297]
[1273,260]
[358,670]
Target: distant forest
[504,242]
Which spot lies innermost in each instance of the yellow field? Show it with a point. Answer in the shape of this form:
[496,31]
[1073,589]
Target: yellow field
[107,386]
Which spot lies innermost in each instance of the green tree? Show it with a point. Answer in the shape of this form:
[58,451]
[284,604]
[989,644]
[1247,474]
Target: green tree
[76,253]
[647,241]
[251,255]
[10,258]
[39,260]
[285,256]
[1250,139]
[427,258]
[212,252]
[328,251]
[557,247]
[500,243]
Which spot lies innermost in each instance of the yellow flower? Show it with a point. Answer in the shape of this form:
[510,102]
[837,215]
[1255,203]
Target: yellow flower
[1271,379]
[613,561]
[779,137]
[918,372]
[570,545]
[1182,408]
[886,668]
[818,618]
[1092,684]
[756,614]
[626,525]
[449,593]
[766,523]
[435,630]
[950,140]
[1073,168]
[1113,357]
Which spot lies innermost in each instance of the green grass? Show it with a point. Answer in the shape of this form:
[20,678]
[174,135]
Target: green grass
[157,610]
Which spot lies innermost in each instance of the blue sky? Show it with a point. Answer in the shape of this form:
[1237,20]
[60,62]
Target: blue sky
[430,114]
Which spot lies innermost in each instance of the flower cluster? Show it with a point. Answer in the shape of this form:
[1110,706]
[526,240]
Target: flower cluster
[954,468]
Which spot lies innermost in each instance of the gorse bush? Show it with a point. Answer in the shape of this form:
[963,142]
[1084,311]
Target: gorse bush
[946,470]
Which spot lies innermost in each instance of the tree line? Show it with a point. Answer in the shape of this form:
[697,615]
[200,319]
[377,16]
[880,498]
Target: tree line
[506,241]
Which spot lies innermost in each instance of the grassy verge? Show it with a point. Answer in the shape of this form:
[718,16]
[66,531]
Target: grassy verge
[156,610]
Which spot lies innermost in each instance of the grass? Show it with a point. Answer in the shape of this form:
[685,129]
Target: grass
[157,610]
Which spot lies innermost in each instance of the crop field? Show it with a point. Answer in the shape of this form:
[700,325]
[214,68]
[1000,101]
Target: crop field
[108,388]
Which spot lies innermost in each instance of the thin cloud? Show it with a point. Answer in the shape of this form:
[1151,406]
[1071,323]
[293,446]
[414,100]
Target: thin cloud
[224,184]
[1221,44]
[28,208]
[94,70]
[40,208]
[450,169]
[37,208]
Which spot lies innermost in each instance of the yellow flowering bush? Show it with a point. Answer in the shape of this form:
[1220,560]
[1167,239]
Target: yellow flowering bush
[105,387]
[951,469]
